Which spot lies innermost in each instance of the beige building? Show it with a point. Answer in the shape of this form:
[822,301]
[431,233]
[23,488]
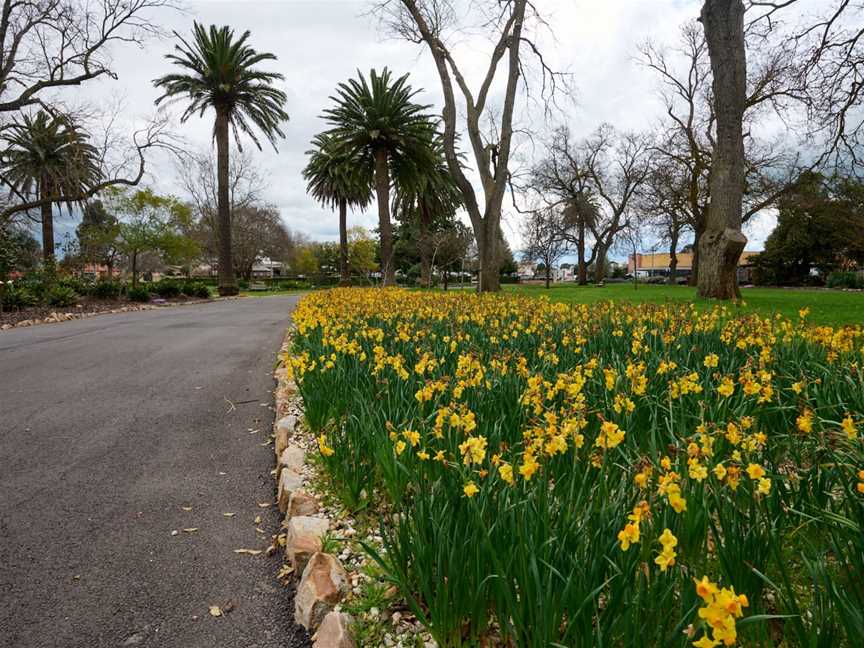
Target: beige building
[656,264]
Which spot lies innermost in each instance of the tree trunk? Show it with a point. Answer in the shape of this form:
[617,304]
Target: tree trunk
[600,264]
[425,246]
[382,193]
[345,274]
[548,276]
[721,245]
[227,281]
[48,258]
[673,259]
[446,277]
[580,252]
[135,269]
[489,279]
[698,231]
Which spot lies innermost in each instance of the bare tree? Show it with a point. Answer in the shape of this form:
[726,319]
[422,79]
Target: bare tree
[663,200]
[197,173]
[542,239]
[619,164]
[435,23]
[689,136]
[562,180]
[48,45]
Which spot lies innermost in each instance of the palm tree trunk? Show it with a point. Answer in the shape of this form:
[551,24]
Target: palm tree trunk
[425,247]
[382,193]
[227,281]
[47,230]
[345,278]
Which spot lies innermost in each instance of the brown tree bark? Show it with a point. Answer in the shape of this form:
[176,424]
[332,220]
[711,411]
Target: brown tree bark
[673,258]
[721,245]
[489,279]
[600,263]
[344,272]
[227,280]
[425,246]
[382,193]
[580,252]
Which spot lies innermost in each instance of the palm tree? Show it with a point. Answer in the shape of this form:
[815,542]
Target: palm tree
[221,73]
[49,157]
[379,121]
[338,179]
[428,193]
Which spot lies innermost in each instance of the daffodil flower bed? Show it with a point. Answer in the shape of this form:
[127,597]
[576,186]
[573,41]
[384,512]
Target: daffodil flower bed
[571,475]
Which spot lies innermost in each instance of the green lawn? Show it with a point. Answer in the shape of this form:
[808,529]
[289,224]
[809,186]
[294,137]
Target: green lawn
[832,307]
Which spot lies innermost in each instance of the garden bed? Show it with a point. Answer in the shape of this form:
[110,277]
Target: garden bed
[86,307]
[551,474]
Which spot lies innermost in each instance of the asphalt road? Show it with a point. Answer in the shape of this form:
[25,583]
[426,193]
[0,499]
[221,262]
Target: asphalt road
[109,427]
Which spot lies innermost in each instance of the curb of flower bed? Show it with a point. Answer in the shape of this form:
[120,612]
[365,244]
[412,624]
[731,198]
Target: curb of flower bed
[59,316]
[328,580]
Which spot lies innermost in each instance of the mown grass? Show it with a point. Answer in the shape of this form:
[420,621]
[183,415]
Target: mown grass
[827,307]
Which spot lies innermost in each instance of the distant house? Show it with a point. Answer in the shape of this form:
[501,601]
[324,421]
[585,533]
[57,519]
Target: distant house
[267,268]
[95,271]
[656,264]
[526,270]
[563,273]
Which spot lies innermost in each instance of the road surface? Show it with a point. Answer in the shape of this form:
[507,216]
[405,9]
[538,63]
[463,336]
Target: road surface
[109,427]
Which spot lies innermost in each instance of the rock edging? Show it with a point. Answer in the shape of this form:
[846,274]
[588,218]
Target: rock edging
[326,581]
[322,581]
[66,316]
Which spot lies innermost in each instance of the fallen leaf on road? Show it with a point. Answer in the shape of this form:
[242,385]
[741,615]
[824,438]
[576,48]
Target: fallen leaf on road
[186,508]
[257,519]
[222,473]
[265,504]
[175,532]
[190,530]
[215,611]
[254,431]
[259,530]
[285,572]
[249,552]
[229,514]
[266,443]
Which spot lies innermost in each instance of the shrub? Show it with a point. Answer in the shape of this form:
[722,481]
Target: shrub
[201,291]
[62,295]
[15,296]
[166,288]
[106,289]
[138,293]
[845,279]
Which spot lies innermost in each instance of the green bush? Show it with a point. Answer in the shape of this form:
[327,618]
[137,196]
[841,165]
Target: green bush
[845,279]
[62,295]
[202,291]
[15,296]
[166,288]
[138,293]
[106,289]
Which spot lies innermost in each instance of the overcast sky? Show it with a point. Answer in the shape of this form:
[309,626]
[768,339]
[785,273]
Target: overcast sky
[322,42]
